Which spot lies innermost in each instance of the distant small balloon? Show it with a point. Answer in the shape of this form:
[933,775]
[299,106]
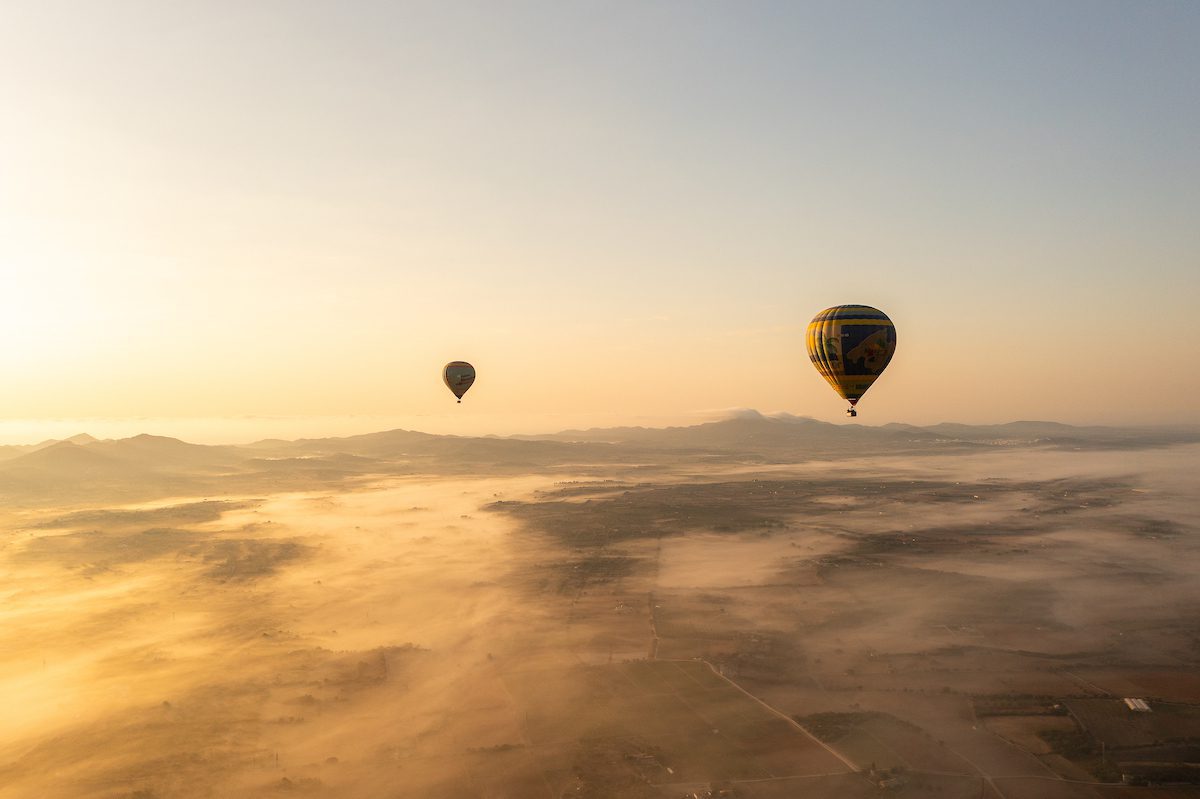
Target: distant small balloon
[458,377]
[851,345]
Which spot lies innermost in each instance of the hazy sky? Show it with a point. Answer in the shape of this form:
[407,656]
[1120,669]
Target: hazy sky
[615,210]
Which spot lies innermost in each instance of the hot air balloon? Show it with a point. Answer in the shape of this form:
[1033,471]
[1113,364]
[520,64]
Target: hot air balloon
[458,377]
[850,345]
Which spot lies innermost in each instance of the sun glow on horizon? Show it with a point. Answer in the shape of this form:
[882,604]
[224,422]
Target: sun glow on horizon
[305,213]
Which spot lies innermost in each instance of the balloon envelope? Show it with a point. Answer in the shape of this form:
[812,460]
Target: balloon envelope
[851,345]
[458,377]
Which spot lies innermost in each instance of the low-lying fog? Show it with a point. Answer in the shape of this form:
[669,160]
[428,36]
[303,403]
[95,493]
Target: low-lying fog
[591,634]
[285,634]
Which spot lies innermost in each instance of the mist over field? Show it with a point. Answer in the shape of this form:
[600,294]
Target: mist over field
[250,249]
[765,607]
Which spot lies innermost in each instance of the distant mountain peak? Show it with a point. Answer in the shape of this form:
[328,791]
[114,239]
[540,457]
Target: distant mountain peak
[65,443]
[754,415]
[740,413]
[151,437]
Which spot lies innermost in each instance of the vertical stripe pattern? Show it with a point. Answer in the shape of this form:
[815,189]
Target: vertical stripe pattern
[851,345]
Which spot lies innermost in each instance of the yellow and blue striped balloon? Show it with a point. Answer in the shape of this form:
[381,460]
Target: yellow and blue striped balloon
[851,345]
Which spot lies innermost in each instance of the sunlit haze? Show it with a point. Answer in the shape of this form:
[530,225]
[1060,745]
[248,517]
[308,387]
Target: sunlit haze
[254,252]
[615,211]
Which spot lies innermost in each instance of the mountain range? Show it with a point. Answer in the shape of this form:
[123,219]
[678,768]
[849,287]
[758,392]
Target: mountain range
[82,468]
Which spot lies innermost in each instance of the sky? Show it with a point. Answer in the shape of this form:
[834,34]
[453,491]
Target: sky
[619,212]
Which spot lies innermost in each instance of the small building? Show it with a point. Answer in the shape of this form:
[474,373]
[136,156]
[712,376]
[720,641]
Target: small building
[1138,705]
